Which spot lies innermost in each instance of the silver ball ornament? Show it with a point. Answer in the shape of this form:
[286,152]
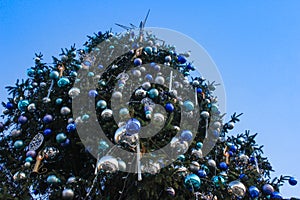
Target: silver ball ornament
[65,110]
[237,188]
[68,194]
[108,164]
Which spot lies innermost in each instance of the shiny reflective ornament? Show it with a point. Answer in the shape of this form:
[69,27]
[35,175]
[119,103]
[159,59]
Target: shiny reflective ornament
[72,179]
[170,191]
[47,119]
[108,164]
[22,119]
[194,166]
[204,114]
[47,132]
[153,93]
[22,105]
[151,168]
[181,59]
[65,110]
[46,100]
[106,114]
[201,173]
[267,189]
[9,105]
[218,181]
[121,165]
[158,119]
[197,153]
[192,182]
[244,159]
[133,126]
[146,85]
[93,93]
[124,112]
[136,73]
[211,163]
[230,125]
[160,80]
[30,72]
[117,95]
[188,106]
[169,107]
[237,189]
[223,166]
[199,145]
[31,154]
[15,133]
[137,62]
[140,92]
[276,195]
[67,194]
[253,191]
[18,144]
[71,127]
[74,92]
[19,176]
[52,179]
[101,104]
[50,154]
[168,58]
[186,135]
[179,146]
[292,181]
[58,101]
[61,137]
[31,107]
[119,133]
[63,82]
[54,75]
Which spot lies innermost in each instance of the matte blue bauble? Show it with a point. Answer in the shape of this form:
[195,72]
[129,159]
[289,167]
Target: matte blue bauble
[47,119]
[54,75]
[133,126]
[61,137]
[62,82]
[9,105]
[201,173]
[153,93]
[181,59]
[22,119]
[22,105]
[137,62]
[71,127]
[101,104]
[186,135]
[188,106]
[292,181]
[47,132]
[192,182]
[18,144]
[223,166]
[276,195]
[169,107]
[253,191]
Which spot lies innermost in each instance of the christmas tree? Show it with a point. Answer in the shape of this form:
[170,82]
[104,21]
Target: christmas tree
[82,128]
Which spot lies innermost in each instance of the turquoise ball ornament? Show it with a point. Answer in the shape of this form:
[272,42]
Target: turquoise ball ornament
[253,191]
[58,101]
[30,72]
[54,75]
[52,179]
[29,159]
[61,137]
[192,182]
[103,145]
[18,144]
[101,104]
[199,145]
[218,180]
[62,82]
[23,104]
[153,93]
[148,50]
[188,106]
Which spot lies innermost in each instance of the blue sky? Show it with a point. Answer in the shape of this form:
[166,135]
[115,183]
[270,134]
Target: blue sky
[255,44]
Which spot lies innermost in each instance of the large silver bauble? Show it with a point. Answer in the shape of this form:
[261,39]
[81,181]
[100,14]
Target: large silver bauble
[237,188]
[68,194]
[108,164]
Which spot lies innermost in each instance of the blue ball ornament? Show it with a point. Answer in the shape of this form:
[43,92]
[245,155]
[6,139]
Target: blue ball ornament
[71,127]
[22,105]
[137,62]
[192,182]
[30,72]
[22,119]
[65,143]
[181,59]
[253,160]
[153,93]
[133,126]
[201,173]
[9,105]
[218,181]
[186,135]
[18,144]
[47,132]
[54,75]
[93,93]
[233,148]
[293,181]
[190,67]
[199,145]
[199,90]
[149,77]
[223,166]
[101,104]
[62,82]
[169,107]
[276,195]
[47,119]
[31,153]
[58,101]
[253,191]
[61,137]
[188,106]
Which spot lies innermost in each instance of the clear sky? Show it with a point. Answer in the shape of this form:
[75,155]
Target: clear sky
[255,44]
